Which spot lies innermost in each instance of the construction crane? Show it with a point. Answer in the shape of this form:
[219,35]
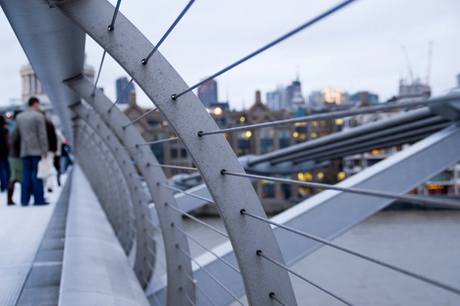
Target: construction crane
[408,65]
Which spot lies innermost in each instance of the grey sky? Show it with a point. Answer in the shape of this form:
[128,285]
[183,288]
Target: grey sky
[357,48]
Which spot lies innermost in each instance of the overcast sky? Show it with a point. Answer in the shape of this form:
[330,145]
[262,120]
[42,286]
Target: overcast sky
[356,48]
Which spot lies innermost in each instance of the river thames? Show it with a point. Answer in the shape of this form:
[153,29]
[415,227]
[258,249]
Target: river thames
[426,242]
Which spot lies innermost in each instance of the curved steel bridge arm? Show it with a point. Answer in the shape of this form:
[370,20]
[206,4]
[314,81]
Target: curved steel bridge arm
[145,246]
[112,191]
[179,286]
[187,116]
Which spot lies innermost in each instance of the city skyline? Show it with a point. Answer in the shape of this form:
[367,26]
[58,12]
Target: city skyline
[357,48]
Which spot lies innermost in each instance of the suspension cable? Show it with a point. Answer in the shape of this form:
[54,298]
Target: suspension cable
[115,13]
[121,94]
[140,117]
[383,194]
[331,115]
[210,275]
[346,250]
[298,29]
[98,73]
[259,252]
[199,288]
[156,141]
[187,193]
[197,220]
[145,60]
[207,249]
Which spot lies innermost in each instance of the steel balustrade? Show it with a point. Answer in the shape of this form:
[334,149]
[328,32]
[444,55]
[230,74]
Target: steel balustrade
[264,283]
[130,137]
[92,162]
[141,212]
[210,154]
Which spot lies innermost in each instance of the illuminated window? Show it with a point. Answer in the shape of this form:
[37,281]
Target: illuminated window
[323,134]
[314,135]
[339,121]
[341,176]
[295,134]
[323,123]
[242,119]
[304,177]
[320,176]
[315,124]
[218,111]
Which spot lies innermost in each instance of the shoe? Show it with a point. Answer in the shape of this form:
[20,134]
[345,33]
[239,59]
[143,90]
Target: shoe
[44,203]
[11,204]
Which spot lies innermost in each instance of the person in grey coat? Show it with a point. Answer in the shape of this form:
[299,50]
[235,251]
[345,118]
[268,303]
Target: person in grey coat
[31,130]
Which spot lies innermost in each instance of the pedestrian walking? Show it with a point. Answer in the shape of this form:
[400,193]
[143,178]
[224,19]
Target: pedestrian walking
[15,163]
[31,129]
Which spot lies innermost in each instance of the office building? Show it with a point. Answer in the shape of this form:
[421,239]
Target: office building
[122,93]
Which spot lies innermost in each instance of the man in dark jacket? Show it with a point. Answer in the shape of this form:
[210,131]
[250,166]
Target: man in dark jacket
[30,128]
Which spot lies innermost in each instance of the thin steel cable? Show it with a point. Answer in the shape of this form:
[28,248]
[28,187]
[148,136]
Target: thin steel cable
[98,73]
[140,117]
[273,296]
[156,300]
[189,299]
[187,193]
[383,194]
[132,228]
[145,60]
[157,141]
[343,249]
[174,167]
[207,249]
[199,288]
[121,94]
[298,29]
[197,220]
[137,176]
[331,115]
[260,253]
[210,275]
[115,13]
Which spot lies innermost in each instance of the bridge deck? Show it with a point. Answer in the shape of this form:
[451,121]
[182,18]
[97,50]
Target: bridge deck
[27,244]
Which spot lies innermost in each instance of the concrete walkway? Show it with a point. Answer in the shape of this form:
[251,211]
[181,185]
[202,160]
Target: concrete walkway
[21,233]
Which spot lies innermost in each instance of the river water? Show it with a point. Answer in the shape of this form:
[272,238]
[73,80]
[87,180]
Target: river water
[426,242]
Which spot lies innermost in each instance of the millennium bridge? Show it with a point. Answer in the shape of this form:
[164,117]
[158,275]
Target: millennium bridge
[116,234]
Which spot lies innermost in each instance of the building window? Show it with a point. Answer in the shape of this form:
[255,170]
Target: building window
[283,136]
[268,189]
[323,123]
[173,153]
[244,143]
[183,153]
[266,141]
[314,135]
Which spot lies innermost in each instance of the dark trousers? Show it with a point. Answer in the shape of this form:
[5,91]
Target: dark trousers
[30,182]
[4,173]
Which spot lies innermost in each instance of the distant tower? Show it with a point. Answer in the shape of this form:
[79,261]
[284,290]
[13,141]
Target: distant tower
[121,84]
[291,90]
[207,93]
[276,100]
[297,100]
[31,86]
